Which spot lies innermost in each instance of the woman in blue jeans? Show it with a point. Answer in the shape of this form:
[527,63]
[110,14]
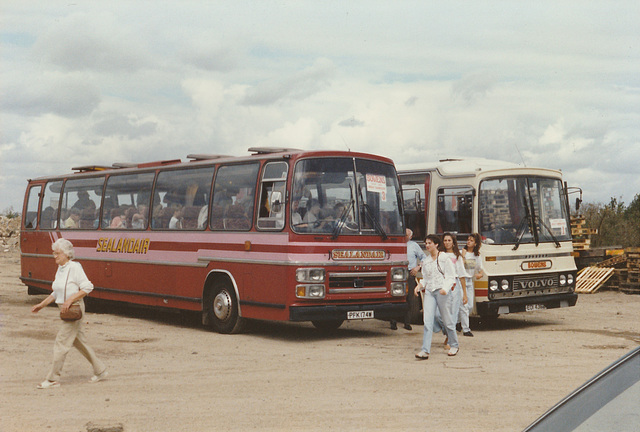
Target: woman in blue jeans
[439,276]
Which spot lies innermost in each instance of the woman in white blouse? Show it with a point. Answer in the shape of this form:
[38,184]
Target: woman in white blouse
[473,266]
[439,277]
[70,276]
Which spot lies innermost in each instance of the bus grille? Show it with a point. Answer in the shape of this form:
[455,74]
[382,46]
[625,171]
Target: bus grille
[549,280]
[366,282]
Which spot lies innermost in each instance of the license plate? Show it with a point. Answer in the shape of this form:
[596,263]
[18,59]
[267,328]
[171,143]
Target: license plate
[534,307]
[352,315]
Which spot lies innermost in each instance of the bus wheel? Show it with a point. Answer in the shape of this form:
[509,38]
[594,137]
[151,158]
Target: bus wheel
[329,325]
[221,307]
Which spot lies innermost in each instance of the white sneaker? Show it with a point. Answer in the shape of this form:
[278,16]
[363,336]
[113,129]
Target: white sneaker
[453,351]
[48,384]
[422,355]
[96,378]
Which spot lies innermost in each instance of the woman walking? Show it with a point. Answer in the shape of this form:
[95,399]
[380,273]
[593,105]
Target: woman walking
[458,297]
[473,266]
[438,279]
[70,280]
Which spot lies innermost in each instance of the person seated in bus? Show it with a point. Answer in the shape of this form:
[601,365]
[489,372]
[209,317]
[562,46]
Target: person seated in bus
[313,212]
[296,217]
[88,219]
[176,219]
[72,222]
[117,218]
[326,220]
[172,199]
[84,202]
[225,197]
[139,218]
[157,216]
[339,209]
[47,221]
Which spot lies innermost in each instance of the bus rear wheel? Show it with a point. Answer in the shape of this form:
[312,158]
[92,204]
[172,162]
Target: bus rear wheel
[327,325]
[221,309]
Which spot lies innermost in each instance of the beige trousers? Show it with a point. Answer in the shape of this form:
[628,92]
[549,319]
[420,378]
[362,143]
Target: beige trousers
[71,334]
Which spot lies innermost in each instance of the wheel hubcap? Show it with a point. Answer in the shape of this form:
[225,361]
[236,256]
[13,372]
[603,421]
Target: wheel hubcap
[222,305]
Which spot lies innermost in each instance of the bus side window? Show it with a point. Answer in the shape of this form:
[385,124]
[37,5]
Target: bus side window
[81,201]
[454,210]
[415,199]
[271,213]
[234,197]
[127,201]
[181,199]
[50,205]
[30,219]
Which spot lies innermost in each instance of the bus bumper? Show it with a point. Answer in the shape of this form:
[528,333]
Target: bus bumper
[384,311]
[513,305]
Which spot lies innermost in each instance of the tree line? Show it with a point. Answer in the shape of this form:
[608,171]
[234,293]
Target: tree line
[618,224]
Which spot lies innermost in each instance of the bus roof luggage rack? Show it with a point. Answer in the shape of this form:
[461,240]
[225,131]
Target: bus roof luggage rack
[199,157]
[159,163]
[269,150]
[124,165]
[90,168]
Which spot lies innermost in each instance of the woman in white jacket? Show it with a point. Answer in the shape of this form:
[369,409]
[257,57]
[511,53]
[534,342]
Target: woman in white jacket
[473,266]
[439,276]
[71,278]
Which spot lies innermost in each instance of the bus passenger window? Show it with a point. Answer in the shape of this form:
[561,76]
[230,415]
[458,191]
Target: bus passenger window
[126,203]
[234,197]
[81,200]
[181,199]
[454,210]
[50,204]
[271,213]
[31,214]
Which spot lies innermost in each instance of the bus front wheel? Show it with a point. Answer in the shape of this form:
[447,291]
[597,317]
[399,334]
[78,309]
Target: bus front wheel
[221,309]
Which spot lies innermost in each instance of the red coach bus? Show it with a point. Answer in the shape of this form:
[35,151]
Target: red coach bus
[281,234]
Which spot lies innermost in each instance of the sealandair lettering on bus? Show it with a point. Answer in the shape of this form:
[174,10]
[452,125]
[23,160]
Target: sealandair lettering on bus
[345,254]
[123,245]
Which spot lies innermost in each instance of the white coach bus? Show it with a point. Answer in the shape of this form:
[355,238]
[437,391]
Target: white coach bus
[522,216]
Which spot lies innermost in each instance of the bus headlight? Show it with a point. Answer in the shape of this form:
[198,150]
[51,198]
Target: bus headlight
[504,285]
[399,274]
[563,280]
[310,291]
[310,275]
[398,289]
[493,285]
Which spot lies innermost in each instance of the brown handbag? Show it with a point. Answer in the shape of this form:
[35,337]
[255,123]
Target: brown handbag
[74,313]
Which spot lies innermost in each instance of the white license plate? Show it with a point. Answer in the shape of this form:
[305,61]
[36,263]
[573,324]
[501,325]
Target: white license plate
[534,307]
[352,315]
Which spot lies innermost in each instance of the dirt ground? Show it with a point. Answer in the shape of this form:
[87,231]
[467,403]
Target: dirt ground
[169,374]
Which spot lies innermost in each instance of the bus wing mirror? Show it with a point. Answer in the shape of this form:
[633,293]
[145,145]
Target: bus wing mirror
[578,202]
[417,199]
[276,201]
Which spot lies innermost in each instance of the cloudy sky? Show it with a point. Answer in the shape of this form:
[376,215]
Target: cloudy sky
[552,84]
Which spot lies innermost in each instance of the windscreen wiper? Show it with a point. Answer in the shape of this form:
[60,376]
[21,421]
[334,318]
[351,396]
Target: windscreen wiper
[343,217]
[554,238]
[525,221]
[371,216]
[534,227]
